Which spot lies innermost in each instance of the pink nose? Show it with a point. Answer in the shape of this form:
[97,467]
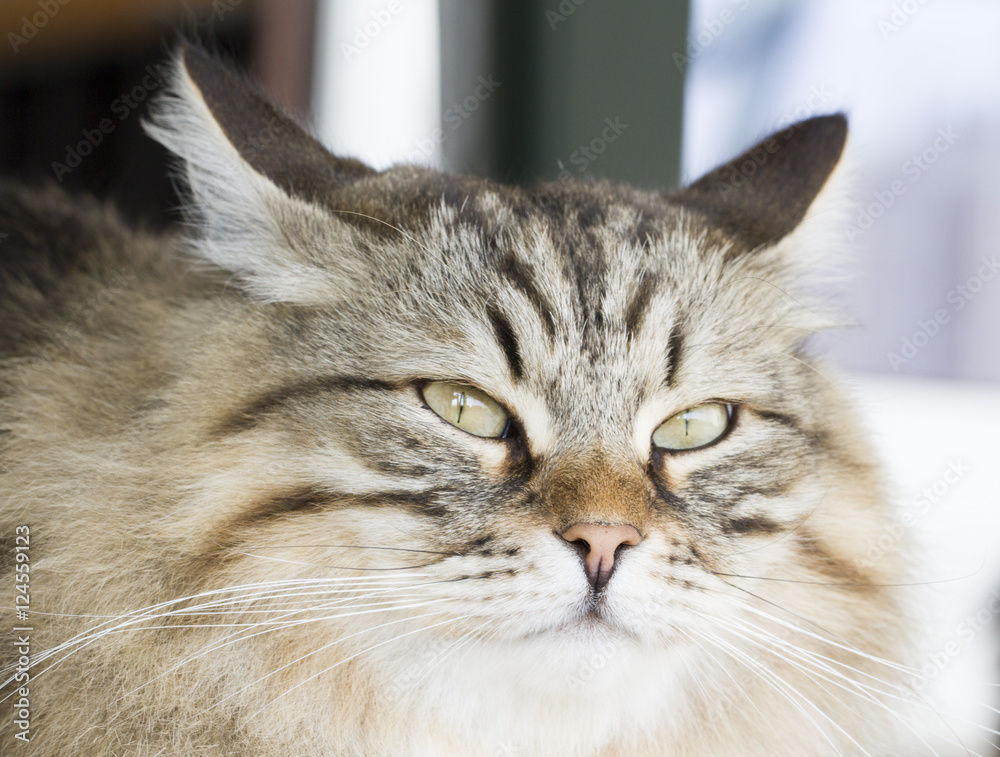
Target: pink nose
[599,545]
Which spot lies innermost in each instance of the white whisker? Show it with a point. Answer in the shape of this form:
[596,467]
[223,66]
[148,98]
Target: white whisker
[348,659]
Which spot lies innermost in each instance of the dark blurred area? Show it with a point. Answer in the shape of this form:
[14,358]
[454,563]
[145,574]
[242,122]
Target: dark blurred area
[76,77]
[575,69]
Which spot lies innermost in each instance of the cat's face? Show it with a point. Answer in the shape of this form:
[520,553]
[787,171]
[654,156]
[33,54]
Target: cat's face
[493,430]
[591,318]
[588,317]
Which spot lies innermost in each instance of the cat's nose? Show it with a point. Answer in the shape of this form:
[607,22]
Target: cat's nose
[599,546]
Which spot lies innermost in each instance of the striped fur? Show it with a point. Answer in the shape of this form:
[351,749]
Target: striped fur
[251,536]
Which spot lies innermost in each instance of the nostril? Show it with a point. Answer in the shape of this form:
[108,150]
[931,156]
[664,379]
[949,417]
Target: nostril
[581,546]
[600,546]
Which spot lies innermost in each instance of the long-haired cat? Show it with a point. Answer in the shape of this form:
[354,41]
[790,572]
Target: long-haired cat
[401,463]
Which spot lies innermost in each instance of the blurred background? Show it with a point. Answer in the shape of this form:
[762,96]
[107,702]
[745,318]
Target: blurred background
[653,94]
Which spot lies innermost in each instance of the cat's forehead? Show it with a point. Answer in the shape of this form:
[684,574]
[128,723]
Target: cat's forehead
[579,298]
[576,283]
[418,199]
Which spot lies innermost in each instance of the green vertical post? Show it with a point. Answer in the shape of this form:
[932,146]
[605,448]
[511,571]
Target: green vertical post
[590,88]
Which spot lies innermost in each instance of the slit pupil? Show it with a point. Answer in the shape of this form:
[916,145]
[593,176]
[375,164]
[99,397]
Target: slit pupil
[506,429]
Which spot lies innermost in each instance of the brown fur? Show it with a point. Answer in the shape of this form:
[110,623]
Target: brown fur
[220,446]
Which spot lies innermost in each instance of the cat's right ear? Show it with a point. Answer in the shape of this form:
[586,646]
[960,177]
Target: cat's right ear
[765,193]
[257,180]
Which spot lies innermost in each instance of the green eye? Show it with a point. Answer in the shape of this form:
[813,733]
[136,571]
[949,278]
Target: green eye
[467,408]
[696,427]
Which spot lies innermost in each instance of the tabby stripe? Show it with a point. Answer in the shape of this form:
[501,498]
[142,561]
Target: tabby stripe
[782,418]
[840,570]
[635,315]
[730,481]
[399,469]
[300,500]
[674,502]
[515,275]
[315,499]
[257,409]
[754,524]
[508,342]
[818,439]
[675,344]
[588,276]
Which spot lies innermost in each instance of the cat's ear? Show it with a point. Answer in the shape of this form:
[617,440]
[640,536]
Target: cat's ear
[257,181]
[761,196]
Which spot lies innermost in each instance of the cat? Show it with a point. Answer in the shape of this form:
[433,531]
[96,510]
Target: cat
[402,463]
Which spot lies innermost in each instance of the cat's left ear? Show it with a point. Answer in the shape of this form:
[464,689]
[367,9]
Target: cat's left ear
[765,193]
[257,181]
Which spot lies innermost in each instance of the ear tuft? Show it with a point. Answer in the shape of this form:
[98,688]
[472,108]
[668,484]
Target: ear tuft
[761,196]
[257,183]
[265,137]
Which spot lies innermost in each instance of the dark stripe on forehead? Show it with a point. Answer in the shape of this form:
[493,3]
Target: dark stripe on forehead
[507,341]
[674,346]
[635,315]
[586,269]
[511,269]
[258,409]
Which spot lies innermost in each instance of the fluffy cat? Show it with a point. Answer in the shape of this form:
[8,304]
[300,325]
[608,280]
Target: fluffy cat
[425,465]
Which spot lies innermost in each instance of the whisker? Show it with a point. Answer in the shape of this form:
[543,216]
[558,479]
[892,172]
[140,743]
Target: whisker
[861,690]
[131,621]
[827,639]
[357,546]
[837,583]
[332,567]
[725,669]
[909,695]
[783,689]
[898,667]
[228,641]
[348,659]
[440,657]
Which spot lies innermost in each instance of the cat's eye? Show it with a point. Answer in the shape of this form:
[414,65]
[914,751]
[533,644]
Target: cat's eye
[467,408]
[696,427]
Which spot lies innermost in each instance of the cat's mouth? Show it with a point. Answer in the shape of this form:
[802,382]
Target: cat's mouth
[595,616]
[590,617]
